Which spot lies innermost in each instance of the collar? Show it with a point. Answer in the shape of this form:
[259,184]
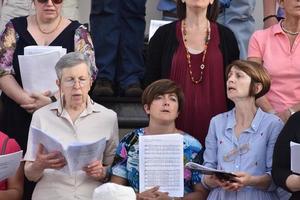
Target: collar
[276,29]
[90,108]
[254,124]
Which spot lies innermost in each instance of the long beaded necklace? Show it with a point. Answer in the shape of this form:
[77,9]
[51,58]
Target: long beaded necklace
[48,32]
[287,31]
[188,55]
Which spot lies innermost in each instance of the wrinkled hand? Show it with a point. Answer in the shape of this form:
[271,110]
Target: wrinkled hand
[52,160]
[40,100]
[96,170]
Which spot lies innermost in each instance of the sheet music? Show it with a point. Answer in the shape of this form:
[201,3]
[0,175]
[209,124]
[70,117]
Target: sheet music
[81,154]
[9,164]
[154,25]
[295,158]
[161,163]
[77,155]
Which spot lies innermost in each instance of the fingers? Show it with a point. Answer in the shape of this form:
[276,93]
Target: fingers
[47,93]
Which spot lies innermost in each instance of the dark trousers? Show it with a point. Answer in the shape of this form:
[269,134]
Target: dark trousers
[117,29]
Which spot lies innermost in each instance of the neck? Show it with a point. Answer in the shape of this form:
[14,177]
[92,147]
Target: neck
[48,27]
[291,24]
[196,19]
[245,111]
[154,128]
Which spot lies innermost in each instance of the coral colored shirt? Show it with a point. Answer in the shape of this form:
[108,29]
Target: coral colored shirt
[11,147]
[282,62]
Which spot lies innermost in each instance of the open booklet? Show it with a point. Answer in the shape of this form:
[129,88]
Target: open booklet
[77,154]
[295,157]
[37,68]
[161,163]
[210,171]
[9,164]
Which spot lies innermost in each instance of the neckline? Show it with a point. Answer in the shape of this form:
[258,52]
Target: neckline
[54,40]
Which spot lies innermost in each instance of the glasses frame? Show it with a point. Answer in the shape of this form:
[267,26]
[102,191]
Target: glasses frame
[53,1]
[72,82]
[233,153]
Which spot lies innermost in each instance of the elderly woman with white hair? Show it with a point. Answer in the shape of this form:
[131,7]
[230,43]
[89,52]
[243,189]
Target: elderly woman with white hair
[73,118]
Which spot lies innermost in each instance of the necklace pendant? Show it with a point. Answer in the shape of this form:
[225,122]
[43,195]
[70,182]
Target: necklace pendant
[202,66]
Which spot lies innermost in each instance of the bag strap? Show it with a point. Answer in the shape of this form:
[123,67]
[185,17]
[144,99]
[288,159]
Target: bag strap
[4,144]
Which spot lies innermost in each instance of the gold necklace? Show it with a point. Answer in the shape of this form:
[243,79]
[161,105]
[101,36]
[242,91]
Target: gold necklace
[287,31]
[48,32]
[188,55]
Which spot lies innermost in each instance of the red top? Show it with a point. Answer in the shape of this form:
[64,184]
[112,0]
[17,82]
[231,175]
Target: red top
[11,147]
[203,100]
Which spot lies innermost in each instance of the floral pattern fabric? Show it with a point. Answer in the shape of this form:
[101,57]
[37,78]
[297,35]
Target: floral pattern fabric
[126,163]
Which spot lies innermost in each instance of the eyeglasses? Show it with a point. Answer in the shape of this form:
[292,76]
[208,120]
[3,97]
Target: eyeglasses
[72,82]
[232,154]
[53,1]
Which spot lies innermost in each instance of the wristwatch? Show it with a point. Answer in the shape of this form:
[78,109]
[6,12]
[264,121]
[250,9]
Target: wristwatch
[291,111]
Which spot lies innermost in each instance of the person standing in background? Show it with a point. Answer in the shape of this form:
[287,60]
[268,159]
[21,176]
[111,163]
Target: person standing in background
[117,28]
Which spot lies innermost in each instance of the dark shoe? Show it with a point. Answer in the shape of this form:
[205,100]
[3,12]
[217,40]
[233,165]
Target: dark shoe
[103,87]
[133,90]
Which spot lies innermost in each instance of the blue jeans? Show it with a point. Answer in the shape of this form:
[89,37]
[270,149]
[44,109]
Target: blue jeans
[238,17]
[117,29]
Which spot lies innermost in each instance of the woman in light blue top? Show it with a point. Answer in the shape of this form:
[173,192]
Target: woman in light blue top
[241,141]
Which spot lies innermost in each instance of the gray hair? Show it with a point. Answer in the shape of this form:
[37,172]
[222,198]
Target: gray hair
[70,60]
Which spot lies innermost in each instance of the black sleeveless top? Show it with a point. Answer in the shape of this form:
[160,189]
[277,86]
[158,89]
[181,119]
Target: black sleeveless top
[16,120]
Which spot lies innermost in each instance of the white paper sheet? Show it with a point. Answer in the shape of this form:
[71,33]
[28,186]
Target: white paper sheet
[9,164]
[33,50]
[154,25]
[78,155]
[295,157]
[38,72]
[161,163]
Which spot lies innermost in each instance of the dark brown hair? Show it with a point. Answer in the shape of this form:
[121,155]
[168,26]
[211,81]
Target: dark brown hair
[257,73]
[161,87]
[211,14]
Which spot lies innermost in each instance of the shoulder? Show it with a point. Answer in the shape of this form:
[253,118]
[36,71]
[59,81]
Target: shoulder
[11,145]
[265,33]
[223,30]
[166,29]
[104,111]
[45,110]
[19,20]
[132,136]
[191,142]
[268,118]
[223,116]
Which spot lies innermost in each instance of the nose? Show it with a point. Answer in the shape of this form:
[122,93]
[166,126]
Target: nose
[76,84]
[166,102]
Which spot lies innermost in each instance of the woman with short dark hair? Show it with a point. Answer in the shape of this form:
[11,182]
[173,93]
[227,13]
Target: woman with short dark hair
[162,101]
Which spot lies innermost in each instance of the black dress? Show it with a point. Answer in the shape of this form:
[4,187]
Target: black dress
[16,120]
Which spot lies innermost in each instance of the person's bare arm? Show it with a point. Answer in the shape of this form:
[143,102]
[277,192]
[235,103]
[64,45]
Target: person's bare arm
[15,186]
[269,9]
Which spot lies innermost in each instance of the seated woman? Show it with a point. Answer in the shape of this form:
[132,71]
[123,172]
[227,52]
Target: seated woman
[74,118]
[281,169]
[241,141]
[11,188]
[160,96]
